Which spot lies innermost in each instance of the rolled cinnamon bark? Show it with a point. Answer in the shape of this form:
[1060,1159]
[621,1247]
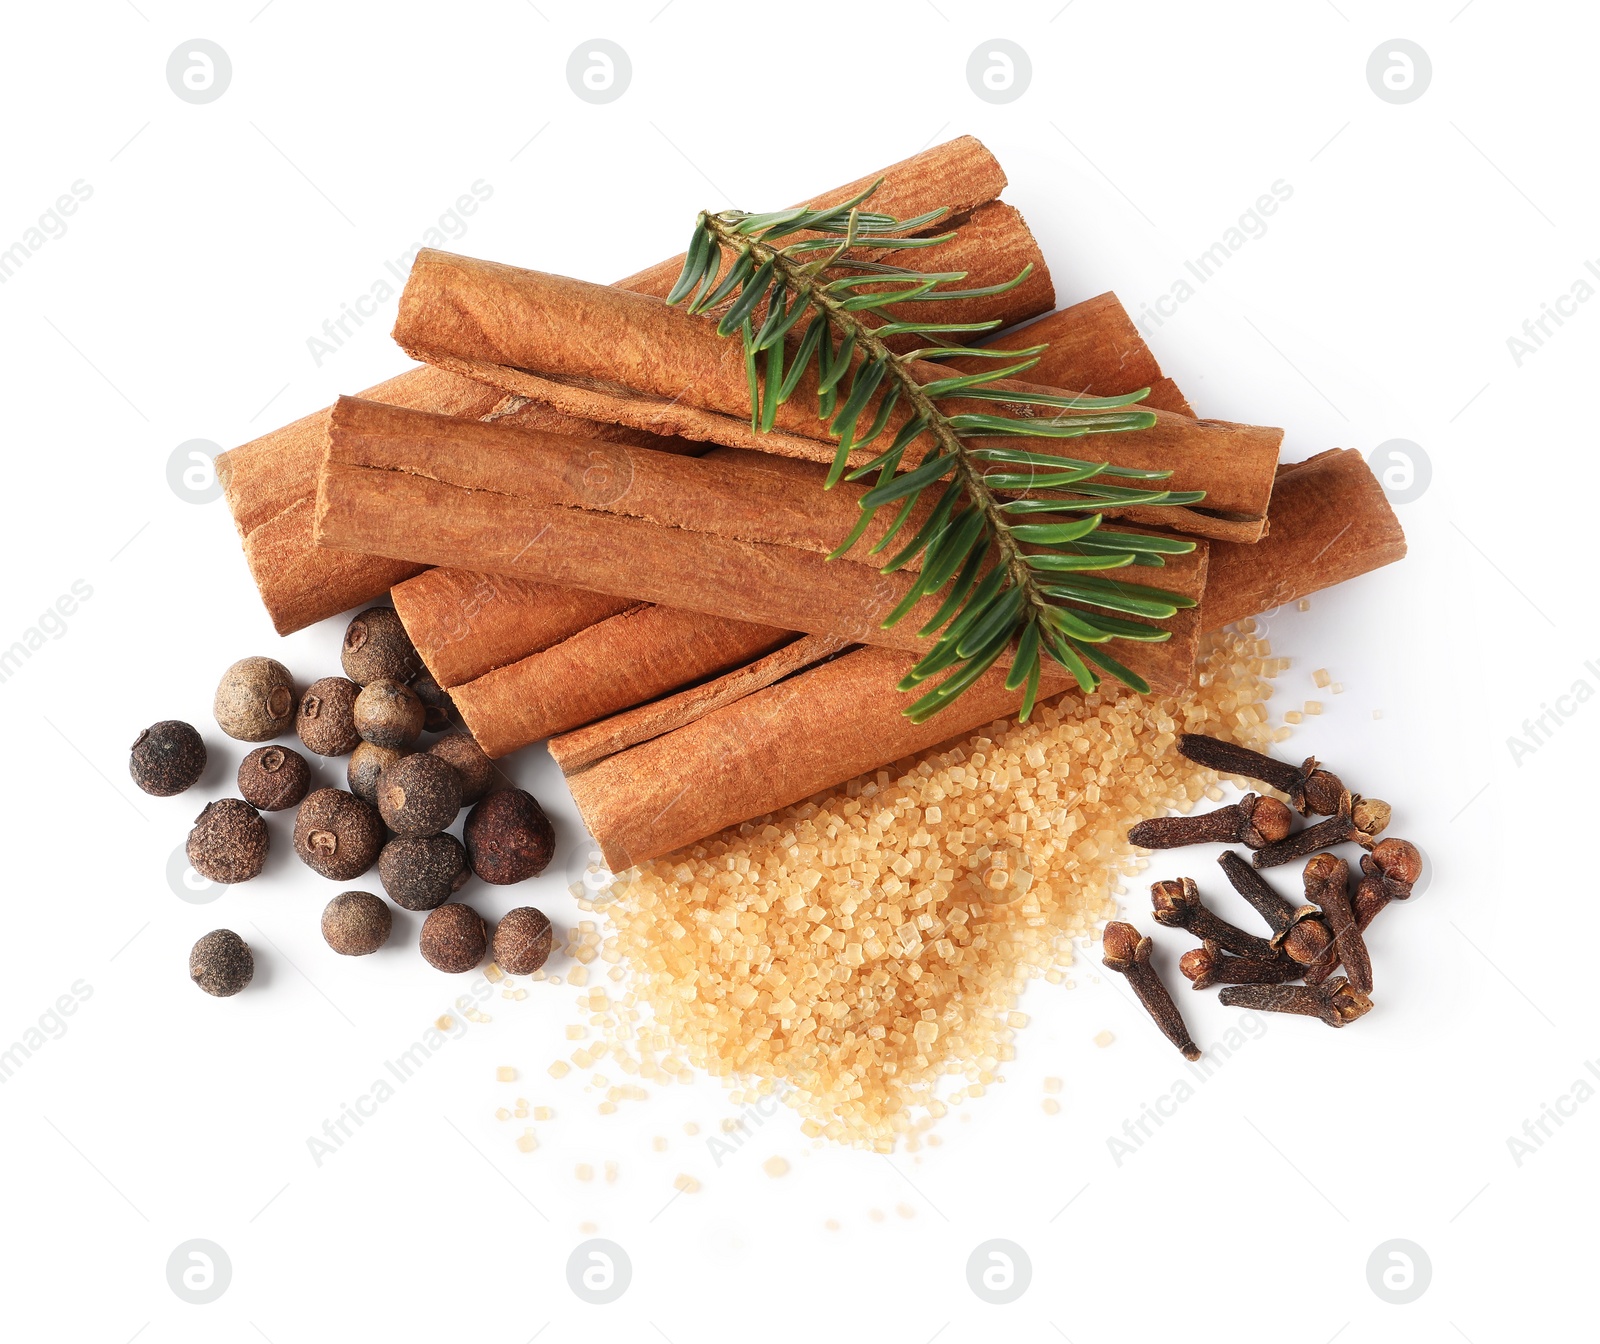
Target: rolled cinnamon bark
[607,354]
[831,722]
[1095,345]
[1095,348]
[728,535]
[578,680]
[465,623]
[270,482]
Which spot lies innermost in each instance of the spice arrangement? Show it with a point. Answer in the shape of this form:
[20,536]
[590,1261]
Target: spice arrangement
[1308,940]
[750,540]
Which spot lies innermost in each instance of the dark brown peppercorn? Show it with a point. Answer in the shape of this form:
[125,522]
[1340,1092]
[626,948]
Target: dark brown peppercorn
[453,938]
[355,923]
[377,648]
[255,700]
[435,703]
[419,795]
[522,941]
[367,762]
[422,872]
[326,721]
[509,838]
[167,758]
[221,964]
[337,835]
[229,842]
[478,773]
[389,714]
[273,778]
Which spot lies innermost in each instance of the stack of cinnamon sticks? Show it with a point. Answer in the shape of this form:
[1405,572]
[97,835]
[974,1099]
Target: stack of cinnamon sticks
[588,543]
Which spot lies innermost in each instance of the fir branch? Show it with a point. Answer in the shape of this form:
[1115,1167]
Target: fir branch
[1017,574]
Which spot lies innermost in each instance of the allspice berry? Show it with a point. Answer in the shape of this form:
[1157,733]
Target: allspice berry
[522,941]
[453,938]
[435,703]
[377,648]
[419,795]
[367,762]
[422,872]
[273,778]
[337,835]
[509,838]
[221,964]
[389,714]
[478,773]
[355,923]
[327,718]
[255,700]
[229,842]
[167,758]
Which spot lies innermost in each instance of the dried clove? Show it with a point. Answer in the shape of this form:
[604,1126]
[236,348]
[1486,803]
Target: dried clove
[1359,819]
[1253,821]
[1394,864]
[1297,930]
[1128,954]
[1313,790]
[1327,880]
[1177,905]
[1209,965]
[1337,1003]
[1389,873]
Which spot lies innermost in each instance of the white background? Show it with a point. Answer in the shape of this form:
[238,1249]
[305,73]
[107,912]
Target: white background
[178,305]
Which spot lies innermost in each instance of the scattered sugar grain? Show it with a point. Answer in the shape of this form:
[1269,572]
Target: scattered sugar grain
[1051,1106]
[1322,678]
[444,1023]
[1313,706]
[526,1141]
[686,1183]
[1052,1084]
[505,1074]
[583,1171]
[1103,1039]
[776,1166]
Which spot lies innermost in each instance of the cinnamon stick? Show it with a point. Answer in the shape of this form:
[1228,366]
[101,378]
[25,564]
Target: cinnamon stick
[727,535]
[465,623]
[270,482]
[831,722]
[607,354]
[599,671]
[1095,346]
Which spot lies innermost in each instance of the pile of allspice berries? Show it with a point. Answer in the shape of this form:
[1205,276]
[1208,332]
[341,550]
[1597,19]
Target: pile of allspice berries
[394,815]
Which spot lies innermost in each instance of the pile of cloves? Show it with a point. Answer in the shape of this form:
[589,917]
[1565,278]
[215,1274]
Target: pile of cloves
[1305,941]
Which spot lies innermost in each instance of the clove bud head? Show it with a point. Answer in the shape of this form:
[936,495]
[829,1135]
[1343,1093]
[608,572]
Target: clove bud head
[1320,792]
[1345,1002]
[1371,816]
[1267,822]
[1173,899]
[1122,946]
[1397,863]
[1307,940]
[1198,963]
[1325,868]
